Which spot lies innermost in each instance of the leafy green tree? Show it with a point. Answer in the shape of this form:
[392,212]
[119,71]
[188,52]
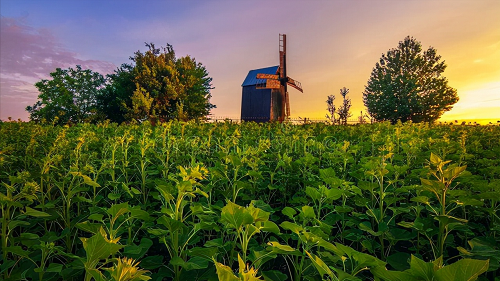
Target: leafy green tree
[70,96]
[141,105]
[196,85]
[116,97]
[406,84]
[179,88]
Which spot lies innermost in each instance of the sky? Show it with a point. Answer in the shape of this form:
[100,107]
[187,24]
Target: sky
[330,45]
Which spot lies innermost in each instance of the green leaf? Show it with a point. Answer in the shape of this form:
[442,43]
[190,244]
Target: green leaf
[289,212]
[96,274]
[17,250]
[308,212]
[446,220]
[184,186]
[362,259]
[96,217]
[270,226]
[398,234]
[399,260]
[54,267]
[420,269]
[435,160]
[313,193]
[292,227]
[366,226]
[245,273]
[334,193]
[193,263]
[171,224]
[225,273]
[6,265]
[14,223]
[436,187]
[152,262]
[274,275]
[366,185]
[35,213]
[29,236]
[368,244]
[283,249]
[235,216]
[138,251]
[218,242]
[258,258]
[421,199]
[201,192]
[493,195]
[257,214]
[389,275]
[321,266]
[89,227]
[81,199]
[329,177]
[135,191]
[407,224]
[136,212]
[206,253]
[462,270]
[87,180]
[471,202]
[114,196]
[343,209]
[116,210]
[165,192]
[98,247]
[453,172]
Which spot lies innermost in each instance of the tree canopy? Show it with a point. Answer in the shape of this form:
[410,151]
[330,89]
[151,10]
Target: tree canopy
[167,87]
[70,96]
[155,86]
[406,84]
[116,96]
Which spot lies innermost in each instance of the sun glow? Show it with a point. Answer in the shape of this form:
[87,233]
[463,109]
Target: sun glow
[479,104]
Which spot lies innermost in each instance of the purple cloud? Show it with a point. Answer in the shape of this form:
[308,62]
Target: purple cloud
[29,55]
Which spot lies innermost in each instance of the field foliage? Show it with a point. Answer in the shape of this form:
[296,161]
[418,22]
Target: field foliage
[224,201]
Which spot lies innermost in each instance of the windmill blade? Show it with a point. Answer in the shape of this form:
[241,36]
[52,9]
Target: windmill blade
[273,84]
[287,105]
[295,84]
[267,76]
[269,84]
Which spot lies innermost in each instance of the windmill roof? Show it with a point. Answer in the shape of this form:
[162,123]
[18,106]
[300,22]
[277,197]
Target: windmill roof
[251,77]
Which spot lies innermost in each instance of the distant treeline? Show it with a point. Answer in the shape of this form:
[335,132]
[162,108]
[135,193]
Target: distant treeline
[154,86]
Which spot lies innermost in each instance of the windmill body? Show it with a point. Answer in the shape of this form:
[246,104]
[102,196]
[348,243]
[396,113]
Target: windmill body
[264,93]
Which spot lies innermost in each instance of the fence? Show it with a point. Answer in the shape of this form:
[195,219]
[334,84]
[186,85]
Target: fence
[295,120]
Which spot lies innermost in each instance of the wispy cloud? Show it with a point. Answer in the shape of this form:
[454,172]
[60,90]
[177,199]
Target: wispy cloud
[28,55]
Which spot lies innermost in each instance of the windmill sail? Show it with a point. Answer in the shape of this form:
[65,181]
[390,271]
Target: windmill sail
[280,103]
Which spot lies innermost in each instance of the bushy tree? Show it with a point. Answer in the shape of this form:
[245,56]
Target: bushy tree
[407,84]
[156,86]
[70,96]
[194,99]
[176,88]
[117,95]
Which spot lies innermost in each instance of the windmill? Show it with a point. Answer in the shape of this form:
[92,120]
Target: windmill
[265,95]
[281,105]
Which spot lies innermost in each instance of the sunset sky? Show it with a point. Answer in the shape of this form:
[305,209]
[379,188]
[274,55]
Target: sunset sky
[330,45]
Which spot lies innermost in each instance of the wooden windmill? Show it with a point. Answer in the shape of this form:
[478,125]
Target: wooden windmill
[280,104]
